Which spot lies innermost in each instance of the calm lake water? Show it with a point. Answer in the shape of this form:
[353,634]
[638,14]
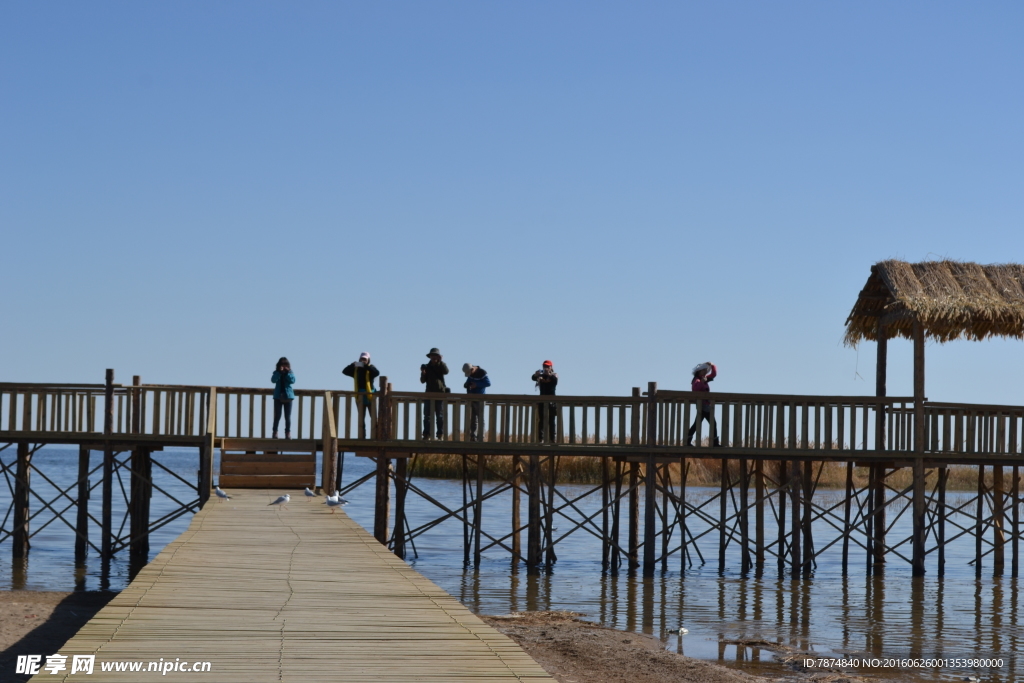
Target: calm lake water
[730,617]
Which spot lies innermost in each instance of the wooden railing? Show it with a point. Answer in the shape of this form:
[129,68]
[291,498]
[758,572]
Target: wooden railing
[750,421]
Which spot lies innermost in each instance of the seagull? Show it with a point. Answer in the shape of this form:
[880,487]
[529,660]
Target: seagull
[221,494]
[282,501]
[333,502]
[310,494]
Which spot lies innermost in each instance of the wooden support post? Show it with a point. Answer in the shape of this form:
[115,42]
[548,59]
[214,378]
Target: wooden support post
[808,516]
[467,533]
[382,498]
[943,477]
[634,515]
[138,507]
[401,489]
[517,479]
[616,516]
[549,513]
[744,518]
[1015,520]
[206,450]
[606,547]
[478,509]
[979,528]
[106,542]
[22,488]
[783,487]
[795,525]
[919,481]
[847,503]
[723,499]
[759,514]
[998,521]
[878,544]
[650,480]
[82,522]
[533,521]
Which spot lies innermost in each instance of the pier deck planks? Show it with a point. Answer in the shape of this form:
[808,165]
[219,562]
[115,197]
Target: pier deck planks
[297,594]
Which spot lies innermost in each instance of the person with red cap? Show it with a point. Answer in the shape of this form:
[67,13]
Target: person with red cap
[546,380]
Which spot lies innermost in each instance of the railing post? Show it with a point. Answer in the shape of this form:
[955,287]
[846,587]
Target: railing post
[329,441]
[650,479]
[140,487]
[106,543]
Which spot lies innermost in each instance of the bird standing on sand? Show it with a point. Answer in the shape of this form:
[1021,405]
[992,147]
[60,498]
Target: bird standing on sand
[282,501]
[309,494]
[221,494]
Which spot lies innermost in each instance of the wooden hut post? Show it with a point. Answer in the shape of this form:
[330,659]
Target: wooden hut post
[919,482]
[106,542]
[328,445]
[943,478]
[876,472]
[650,479]
[1015,520]
[82,523]
[206,450]
[605,501]
[795,523]
[478,509]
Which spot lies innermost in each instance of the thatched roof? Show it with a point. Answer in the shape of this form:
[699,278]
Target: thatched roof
[951,299]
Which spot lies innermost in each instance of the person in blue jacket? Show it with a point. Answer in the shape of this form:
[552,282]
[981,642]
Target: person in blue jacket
[477,382]
[283,379]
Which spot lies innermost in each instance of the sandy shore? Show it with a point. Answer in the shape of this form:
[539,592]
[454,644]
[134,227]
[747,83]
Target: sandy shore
[570,649]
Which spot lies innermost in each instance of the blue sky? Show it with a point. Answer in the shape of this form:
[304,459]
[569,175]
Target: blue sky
[190,190]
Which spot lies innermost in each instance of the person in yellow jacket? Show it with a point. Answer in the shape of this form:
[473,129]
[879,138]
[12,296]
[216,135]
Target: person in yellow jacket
[362,373]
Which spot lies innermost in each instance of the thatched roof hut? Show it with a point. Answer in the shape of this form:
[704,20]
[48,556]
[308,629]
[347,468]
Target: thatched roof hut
[951,300]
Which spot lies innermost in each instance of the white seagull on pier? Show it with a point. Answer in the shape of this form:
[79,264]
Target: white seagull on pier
[221,494]
[333,502]
[310,494]
[282,501]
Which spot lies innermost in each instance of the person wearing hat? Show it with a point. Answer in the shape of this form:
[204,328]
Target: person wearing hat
[362,373]
[546,380]
[702,374]
[477,382]
[432,374]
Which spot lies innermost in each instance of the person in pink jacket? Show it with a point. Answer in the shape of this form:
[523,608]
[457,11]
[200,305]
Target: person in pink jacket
[702,374]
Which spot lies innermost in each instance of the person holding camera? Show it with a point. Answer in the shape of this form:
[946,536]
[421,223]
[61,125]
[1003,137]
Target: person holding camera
[477,382]
[546,380]
[362,373]
[702,374]
[283,379]
[432,374]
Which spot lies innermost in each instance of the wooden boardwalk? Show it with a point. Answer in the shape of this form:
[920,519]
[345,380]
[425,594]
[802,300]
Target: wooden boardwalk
[296,594]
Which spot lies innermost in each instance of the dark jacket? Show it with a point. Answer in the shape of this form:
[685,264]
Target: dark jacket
[359,375]
[477,382]
[283,382]
[546,382]
[432,374]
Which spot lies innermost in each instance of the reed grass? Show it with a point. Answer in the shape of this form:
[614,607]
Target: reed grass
[702,471]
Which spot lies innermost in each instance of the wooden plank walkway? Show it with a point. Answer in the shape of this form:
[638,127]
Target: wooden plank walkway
[296,594]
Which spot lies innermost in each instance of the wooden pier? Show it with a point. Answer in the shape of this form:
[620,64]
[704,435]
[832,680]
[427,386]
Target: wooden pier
[297,594]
